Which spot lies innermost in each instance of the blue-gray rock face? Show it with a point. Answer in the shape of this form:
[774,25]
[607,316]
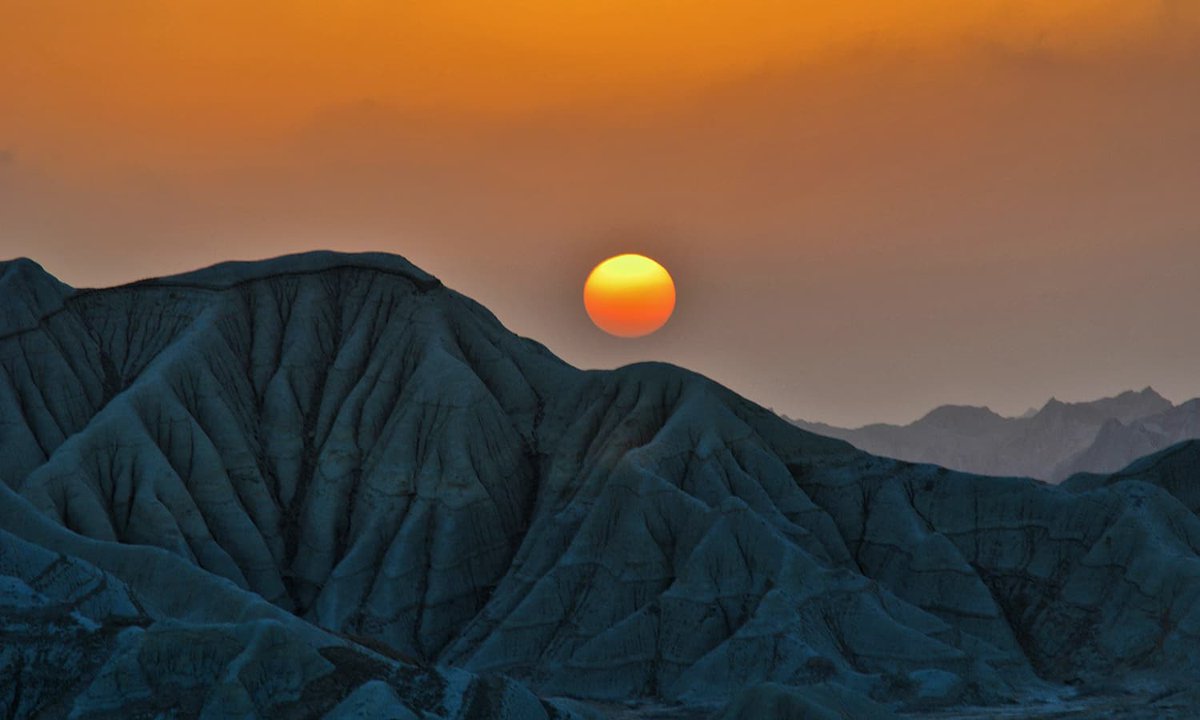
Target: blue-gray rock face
[92,629]
[300,485]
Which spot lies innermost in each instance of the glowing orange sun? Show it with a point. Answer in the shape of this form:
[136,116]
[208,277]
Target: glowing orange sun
[629,295]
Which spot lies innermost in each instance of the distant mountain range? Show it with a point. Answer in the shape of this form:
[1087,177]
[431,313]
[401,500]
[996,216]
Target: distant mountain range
[1052,443]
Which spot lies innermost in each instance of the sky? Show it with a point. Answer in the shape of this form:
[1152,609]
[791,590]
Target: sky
[869,207]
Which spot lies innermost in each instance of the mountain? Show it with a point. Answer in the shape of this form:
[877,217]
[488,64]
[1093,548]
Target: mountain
[328,486]
[1172,469]
[1119,443]
[1051,443]
[29,294]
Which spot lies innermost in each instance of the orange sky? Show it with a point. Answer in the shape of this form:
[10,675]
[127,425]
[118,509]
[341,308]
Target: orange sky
[154,78]
[906,202]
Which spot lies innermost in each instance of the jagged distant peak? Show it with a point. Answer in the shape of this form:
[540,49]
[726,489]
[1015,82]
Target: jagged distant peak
[1145,401]
[1150,392]
[1045,442]
[1146,393]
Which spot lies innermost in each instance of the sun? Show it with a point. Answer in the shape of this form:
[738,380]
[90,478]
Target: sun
[629,295]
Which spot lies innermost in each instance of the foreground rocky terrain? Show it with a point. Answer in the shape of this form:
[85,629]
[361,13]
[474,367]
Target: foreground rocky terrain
[1051,443]
[326,485]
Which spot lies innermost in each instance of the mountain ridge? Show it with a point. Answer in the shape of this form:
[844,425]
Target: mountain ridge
[1050,443]
[375,455]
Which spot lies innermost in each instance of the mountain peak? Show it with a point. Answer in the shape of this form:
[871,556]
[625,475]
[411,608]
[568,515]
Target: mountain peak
[28,293]
[1126,406]
[1150,393]
[22,269]
[947,414]
[1053,408]
[229,274]
[1131,405]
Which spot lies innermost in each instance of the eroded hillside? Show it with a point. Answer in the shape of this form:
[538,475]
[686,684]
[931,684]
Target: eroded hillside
[397,474]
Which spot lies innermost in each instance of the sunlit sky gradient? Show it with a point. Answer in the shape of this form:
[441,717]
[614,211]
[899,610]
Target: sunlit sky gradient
[869,207]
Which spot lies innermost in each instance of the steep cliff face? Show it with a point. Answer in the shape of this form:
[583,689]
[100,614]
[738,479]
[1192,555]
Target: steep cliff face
[377,457]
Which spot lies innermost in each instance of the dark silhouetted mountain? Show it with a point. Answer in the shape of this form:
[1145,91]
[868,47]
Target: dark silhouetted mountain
[29,293]
[326,485]
[1050,443]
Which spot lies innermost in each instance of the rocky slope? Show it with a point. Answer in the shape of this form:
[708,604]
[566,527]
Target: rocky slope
[306,483]
[1052,443]
[91,629]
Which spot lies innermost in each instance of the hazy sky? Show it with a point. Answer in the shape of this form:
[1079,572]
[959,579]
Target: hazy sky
[870,207]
